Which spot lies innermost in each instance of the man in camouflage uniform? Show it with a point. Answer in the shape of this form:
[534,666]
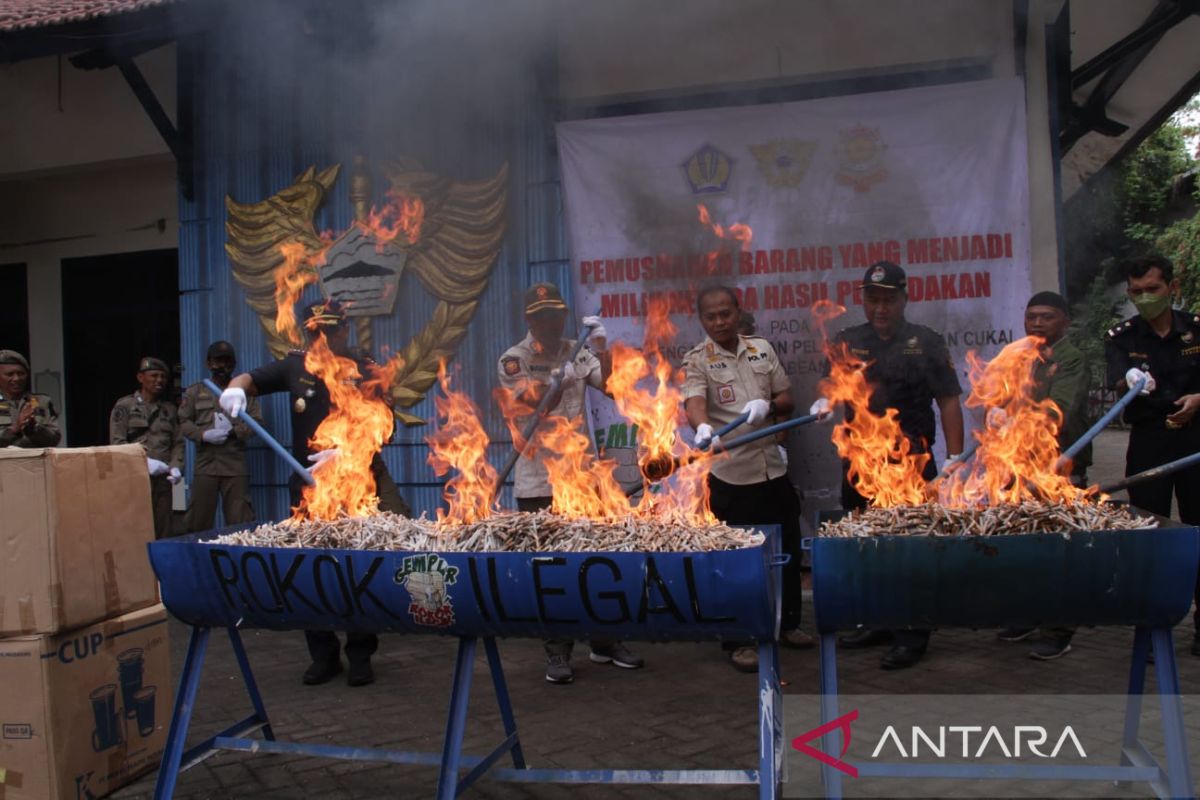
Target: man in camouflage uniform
[525,370]
[145,418]
[26,419]
[220,447]
[310,405]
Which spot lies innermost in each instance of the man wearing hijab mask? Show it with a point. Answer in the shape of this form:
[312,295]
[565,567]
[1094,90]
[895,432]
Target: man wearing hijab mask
[221,470]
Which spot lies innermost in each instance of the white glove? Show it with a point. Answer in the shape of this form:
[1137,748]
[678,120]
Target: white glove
[704,437]
[157,467]
[1134,375]
[221,422]
[758,410]
[574,371]
[822,409]
[325,455]
[214,436]
[997,417]
[599,338]
[174,475]
[233,401]
[783,454]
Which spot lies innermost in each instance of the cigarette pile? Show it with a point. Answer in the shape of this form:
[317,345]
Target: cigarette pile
[542,531]
[1030,517]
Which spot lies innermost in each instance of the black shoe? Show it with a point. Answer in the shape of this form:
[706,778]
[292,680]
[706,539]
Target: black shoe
[360,674]
[1050,649]
[900,657]
[865,638]
[1011,634]
[320,672]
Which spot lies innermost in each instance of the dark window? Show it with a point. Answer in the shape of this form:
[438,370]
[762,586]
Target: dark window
[14,309]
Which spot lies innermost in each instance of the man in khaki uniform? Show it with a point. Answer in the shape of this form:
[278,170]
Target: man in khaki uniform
[525,369]
[145,418]
[220,447]
[725,376]
[26,419]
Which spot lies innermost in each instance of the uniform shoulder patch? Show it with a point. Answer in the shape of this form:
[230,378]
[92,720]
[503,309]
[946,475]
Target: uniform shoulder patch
[511,365]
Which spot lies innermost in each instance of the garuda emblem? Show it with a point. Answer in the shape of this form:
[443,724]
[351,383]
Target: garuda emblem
[461,226]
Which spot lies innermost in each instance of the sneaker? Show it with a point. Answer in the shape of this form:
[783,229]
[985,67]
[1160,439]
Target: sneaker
[1011,634]
[320,672]
[558,669]
[797,639]
[618,655]
[360,674]
[1050,649]
[744,659]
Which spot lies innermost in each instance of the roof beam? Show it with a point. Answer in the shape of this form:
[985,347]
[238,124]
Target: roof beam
[180,146]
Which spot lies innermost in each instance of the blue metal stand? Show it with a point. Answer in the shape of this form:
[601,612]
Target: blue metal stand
[451,761]
[1137,764]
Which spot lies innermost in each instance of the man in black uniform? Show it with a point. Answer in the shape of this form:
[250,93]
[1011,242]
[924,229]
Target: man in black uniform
[1162,346]
[909,369]
[310,405]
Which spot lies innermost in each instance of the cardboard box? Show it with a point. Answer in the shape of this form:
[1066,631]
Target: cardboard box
[84,712]
[73,540]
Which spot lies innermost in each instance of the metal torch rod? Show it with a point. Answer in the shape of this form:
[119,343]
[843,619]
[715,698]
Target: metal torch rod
[770,430]
[261,432]
[725,430]
[1101,424]
[1170,468]
[539,413]
[966,455]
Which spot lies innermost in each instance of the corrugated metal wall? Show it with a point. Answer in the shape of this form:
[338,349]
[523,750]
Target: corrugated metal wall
[261,117]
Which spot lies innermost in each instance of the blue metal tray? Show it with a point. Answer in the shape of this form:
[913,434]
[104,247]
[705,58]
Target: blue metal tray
[728,594]
[1139,577]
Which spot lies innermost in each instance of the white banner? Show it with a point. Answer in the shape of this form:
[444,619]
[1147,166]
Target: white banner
[933,179]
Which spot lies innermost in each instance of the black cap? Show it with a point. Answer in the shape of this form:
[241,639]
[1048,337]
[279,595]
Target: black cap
[1052,299]
[543,296]
[151,363]
[219,349]
[885,275]
[324,313]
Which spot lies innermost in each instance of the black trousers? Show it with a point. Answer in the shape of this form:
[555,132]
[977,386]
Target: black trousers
[1152,447]
[918,638]
[772,502]
[558,647]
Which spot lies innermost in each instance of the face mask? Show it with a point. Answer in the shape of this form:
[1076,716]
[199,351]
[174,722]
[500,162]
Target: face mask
[1150,305]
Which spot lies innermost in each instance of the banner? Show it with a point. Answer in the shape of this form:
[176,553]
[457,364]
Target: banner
[932,178]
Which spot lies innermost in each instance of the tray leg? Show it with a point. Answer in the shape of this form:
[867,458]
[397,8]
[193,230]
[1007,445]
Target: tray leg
[502,699]
[260,710]
[1179,778]
[829,712]
[185,701]
[770,723]
[1133,698]
[456,723]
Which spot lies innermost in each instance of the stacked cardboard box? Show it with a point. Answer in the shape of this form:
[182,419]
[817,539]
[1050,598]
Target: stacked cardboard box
[85,675]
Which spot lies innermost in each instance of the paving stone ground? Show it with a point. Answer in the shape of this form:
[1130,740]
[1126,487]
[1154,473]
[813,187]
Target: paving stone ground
[688,709]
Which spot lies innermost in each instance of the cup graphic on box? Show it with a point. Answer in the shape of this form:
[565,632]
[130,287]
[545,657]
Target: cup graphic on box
[143,707]
[130,666]
[109,725]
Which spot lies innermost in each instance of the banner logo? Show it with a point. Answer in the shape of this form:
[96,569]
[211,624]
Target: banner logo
[426,577]
[842,723]
[860,152]
[708,170]
[783,162]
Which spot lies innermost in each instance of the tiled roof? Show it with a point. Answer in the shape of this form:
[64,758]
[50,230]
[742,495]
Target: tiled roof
[18,15]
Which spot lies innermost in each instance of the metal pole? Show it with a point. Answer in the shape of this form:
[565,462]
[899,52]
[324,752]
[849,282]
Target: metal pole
[726,429]
[1170,468]
[963,458]
[770,430]
[261,432]
[539,413]
[1101,424]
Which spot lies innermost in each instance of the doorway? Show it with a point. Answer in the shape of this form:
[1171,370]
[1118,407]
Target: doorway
[116,309]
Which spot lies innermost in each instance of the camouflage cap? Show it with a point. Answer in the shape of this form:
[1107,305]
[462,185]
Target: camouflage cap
[151,363]
[13,357]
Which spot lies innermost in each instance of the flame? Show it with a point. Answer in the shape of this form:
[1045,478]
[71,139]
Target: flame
[738,232]
[1018,449]
[296,272]
[461,443]
[359,422]
[401,214]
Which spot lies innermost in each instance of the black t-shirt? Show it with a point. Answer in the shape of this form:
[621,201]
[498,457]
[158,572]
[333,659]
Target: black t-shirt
[906,372]
[1172,360]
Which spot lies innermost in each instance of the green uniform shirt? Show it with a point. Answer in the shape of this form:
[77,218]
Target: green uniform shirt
[196,415]
[155,426]
[44,432]
[1065,378]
